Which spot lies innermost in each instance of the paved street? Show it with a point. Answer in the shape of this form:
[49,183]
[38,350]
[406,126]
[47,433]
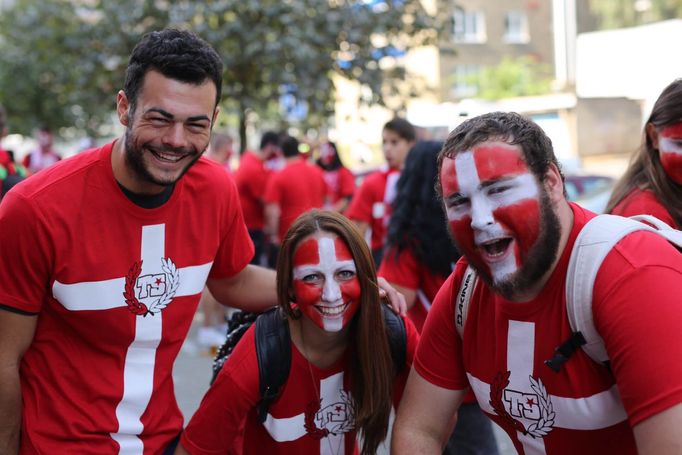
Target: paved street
[193,372]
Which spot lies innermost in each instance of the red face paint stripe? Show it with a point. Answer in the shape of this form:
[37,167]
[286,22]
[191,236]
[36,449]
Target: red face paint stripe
[308,252]
[493,162]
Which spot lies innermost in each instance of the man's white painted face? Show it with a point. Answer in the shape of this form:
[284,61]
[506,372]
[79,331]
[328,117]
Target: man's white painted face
[499,214]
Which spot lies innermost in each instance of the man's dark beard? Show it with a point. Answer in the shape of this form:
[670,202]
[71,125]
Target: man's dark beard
[538,260]
[135,162]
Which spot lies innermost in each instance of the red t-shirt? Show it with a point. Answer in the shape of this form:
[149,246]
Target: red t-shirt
[372,204]
[585,408]
[297,188]
[251,178]
[643,202]
[227,421]
[406,271]
[340,184]
[116,287]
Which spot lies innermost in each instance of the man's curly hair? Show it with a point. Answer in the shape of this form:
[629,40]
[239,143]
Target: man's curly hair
[177,54]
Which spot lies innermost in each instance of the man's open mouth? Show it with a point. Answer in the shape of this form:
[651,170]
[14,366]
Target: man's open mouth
[496,248]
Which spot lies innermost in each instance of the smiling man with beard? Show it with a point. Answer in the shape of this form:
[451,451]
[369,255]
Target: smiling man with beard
[507,212]
[109,253]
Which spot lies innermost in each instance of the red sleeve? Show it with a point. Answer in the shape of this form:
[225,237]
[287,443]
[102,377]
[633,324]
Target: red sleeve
[360,208]
[638,312]
[218,425]
[412,336]
[236,248]
[346,183]
[400,268]
[26,252]
[273,192]
[641,202]
[439,354]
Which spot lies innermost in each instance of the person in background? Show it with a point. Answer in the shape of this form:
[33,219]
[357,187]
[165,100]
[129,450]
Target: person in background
[507,211]
[418,259]
[44,156]
[370,207]
[211,332]
[652,184]
[290,192]
[251,178]
[340,181]
[342,379]
[221,149]
[11,172]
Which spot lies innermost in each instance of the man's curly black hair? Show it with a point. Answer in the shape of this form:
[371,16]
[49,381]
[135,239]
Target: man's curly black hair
[177,54]
[418,221]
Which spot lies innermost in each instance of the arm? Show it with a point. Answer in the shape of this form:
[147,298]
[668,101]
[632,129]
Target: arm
[425,417]
[660,434]
[272,214]
[410,295]
[252,289]
[16,334]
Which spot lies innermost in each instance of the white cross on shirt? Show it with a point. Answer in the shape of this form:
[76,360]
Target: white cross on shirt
[138,370]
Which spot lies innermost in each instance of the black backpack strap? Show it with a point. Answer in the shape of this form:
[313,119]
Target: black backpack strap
[237,325]
[273,349]
[397,338]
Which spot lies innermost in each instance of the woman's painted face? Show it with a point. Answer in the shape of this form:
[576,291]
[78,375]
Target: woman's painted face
[670,150]
[327,153]
[326,286]
[493,204]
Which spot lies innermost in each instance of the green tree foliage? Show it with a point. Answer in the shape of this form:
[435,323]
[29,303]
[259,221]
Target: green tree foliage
[629,13]
[71,55]
[511,78]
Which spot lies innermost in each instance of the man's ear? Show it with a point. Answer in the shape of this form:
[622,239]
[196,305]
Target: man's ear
[554,185]
[122,108]
[652,134]
[216,111]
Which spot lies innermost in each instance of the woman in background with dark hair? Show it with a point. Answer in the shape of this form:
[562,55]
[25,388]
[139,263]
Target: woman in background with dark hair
[340,181]
[418,259]
[652,184]
[342,378]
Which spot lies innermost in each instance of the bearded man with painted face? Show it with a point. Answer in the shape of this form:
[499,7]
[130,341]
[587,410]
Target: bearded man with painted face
[507,212]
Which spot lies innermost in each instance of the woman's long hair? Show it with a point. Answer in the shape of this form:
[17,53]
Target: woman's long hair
[418,220]
[372,371]
[645,170]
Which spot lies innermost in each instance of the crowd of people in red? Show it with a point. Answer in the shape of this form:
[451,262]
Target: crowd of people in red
[112,250]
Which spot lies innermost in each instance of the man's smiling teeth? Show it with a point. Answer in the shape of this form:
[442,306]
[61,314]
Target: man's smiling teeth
[168,157]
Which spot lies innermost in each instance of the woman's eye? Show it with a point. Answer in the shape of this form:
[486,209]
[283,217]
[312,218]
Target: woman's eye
[311,278]
[346,274]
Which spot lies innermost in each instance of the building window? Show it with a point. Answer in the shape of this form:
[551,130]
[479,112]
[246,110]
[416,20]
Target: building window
[468,26]
[465,80]
[516,27]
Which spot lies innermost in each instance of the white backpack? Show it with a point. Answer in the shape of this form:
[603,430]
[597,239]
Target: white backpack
[593,243]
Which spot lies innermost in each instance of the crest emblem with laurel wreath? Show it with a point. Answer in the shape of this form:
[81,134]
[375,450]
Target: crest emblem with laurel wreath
[537,429]
[313,417]
[172,283]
